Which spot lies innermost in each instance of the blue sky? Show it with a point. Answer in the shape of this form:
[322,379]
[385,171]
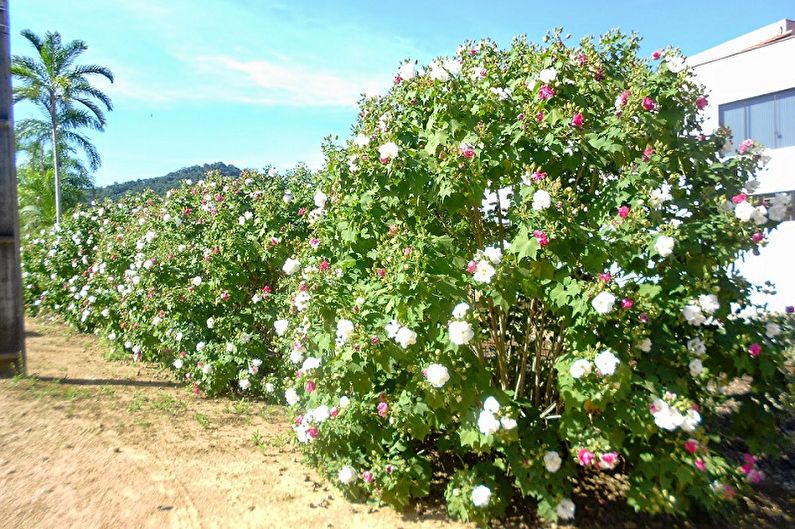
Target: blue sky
[255,82]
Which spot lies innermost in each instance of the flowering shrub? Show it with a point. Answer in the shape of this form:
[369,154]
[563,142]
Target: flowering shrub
[520,274]
[188,280]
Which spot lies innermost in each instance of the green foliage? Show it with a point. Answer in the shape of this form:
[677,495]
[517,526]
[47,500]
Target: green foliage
[569,197]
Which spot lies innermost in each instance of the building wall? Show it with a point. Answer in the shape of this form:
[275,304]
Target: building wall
[730,74]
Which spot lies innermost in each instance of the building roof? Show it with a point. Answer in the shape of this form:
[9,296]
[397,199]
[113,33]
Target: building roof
[783,29]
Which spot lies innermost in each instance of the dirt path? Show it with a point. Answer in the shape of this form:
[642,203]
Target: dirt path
[91,443]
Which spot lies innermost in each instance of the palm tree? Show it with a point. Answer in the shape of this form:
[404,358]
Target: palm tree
[61,89]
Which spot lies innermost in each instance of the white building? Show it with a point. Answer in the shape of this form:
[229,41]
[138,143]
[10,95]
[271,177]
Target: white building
[750,83]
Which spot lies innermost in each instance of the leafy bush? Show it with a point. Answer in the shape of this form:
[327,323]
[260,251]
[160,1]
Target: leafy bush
[522,274]
[187,280]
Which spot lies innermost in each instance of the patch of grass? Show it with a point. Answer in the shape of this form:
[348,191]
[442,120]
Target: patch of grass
[137,403]
[203,421]
[279,441]
[106,391]
[169,404]
[241,407]
[257,439]
[112,354]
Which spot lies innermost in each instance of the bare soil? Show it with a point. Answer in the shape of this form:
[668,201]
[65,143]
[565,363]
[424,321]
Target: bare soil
[90,442]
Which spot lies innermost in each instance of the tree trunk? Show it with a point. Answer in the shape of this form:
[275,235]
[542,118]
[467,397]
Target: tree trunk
[12,335]
[55,167]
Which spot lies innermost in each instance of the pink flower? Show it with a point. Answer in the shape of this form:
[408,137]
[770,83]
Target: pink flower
[314,242]
[789,309]
[648,103]
[728,492]
[585,457]
[324,265]
[757,237]
[383,409]
[643,318]
[375,340]
[467,151]
[656,54]
[755,350]
[312,432]
[541,237]
[691,445]
[389,469]
[545,92]
[333,412]
[301,212]
[647,152]
[393,229]
[309,386]
[380,272]
[605,277]
[745,145]
[540,116]
[627,303]
[367,476]
[472,266]
[225,296]
[755,476]
[701,102]
[538,176]
[266,290]
[608,461]
[274,241]
[299,419]
[699,463]
[623,212]
[398,79]
[739,197]
[623,97]
[577,120]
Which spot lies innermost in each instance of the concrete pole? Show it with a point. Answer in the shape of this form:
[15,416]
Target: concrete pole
[12,326]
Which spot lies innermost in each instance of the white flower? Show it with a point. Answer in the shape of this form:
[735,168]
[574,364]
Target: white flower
[693,315]
[565,509]
[460,332]
[491,405]
[606,362]
[696,367]
[344,330]
[210,323]
[362,140]
[407,71]
[547,75]
[280,326]
[230,347]
[291,266]
[112,336]
[580,368]
[675,63]
[437,375]
[291,397]
[269,387]
[388,151]
[200,346]
[196,281]
[346,474]
[344,401]
[664,245]
[508,423]
[438,73]
[483,272]
[488,423]
[541,200]
[744,210]
[244,383]
[709,303]
[301,301]
[659,197]
[481,495]
[666,417]
[493,254]
[645,345]
[460,310]
[696,346]
[691,421]
[777,213]
[392,329]
[772,330]
[759,216]
[603,302]
[320,199]
[207,368]
[453,66]
[552,461]
[406,337]
[177,363]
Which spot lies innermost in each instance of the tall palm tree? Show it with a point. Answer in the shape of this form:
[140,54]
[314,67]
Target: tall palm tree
[61,89]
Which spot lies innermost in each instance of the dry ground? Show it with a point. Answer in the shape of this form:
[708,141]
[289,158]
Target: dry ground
[87,442]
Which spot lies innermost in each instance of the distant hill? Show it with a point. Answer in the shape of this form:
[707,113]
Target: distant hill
[161,184]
